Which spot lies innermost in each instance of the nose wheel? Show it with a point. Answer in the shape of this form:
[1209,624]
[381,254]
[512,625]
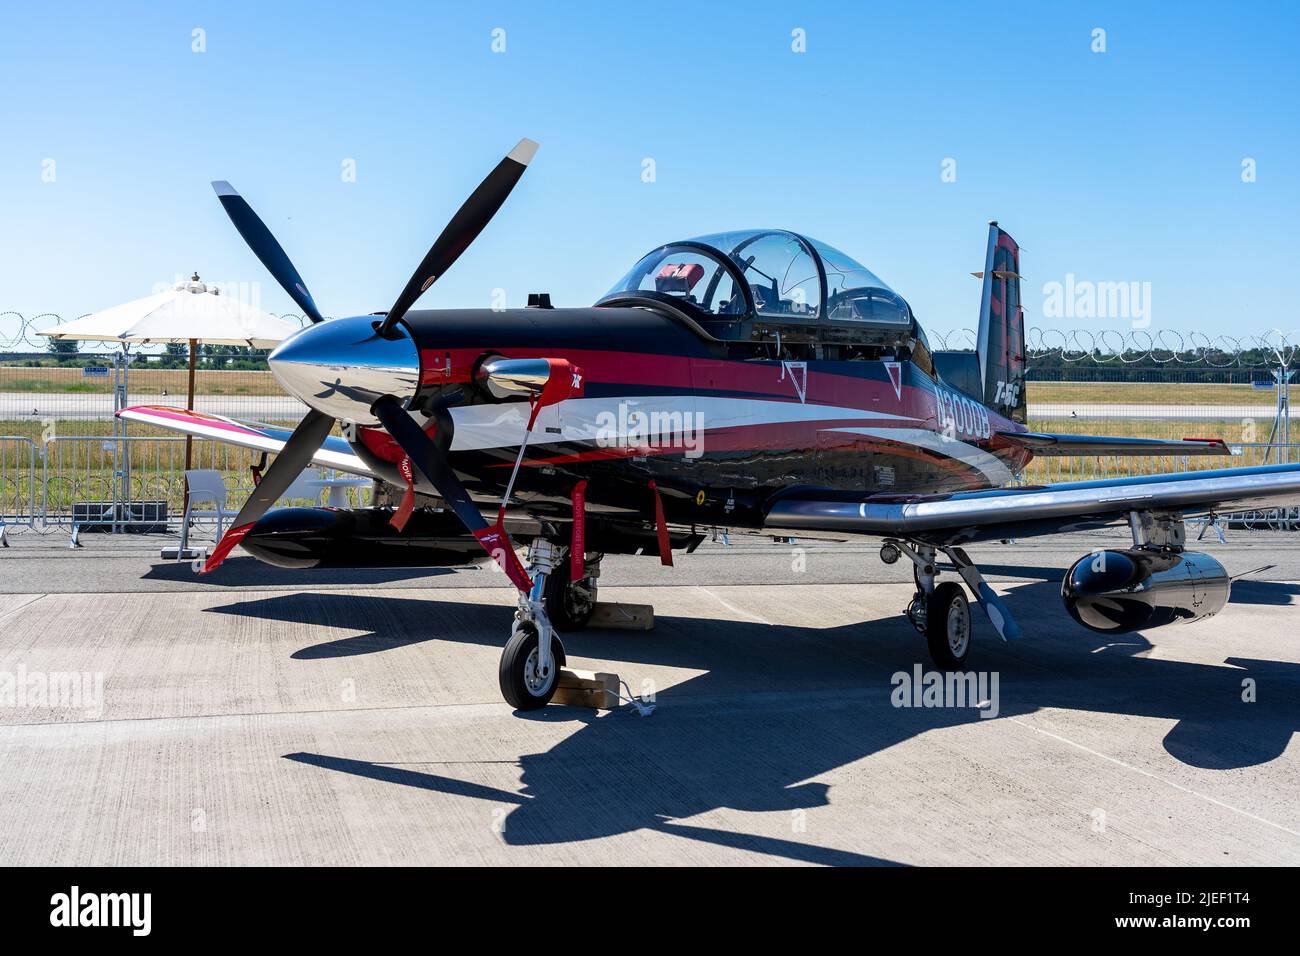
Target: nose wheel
[532,658]
[527,683]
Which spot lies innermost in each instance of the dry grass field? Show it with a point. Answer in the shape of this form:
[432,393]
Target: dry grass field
[143,381]
[1145,393]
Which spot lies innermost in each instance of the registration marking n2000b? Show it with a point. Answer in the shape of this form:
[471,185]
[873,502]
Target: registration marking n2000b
[961,415]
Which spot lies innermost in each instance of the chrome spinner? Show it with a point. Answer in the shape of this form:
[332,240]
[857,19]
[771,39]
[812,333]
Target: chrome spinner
[341,367]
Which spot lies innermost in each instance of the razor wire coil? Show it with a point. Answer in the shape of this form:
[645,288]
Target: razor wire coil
[19,333]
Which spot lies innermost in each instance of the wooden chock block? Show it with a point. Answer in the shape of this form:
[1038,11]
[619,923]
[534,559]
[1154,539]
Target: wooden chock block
[627,617]
[587,689]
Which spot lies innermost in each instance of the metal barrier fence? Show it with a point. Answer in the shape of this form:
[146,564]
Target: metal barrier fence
[77,481]
[18,489]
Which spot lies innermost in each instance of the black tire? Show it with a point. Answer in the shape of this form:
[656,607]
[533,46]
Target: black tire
[948,626]
[519,692]
[568,610]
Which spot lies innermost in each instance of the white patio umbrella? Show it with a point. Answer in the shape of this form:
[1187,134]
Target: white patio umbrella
[191,312]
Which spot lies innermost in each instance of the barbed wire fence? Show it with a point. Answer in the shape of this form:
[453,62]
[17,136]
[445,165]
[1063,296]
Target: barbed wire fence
[1138,347]
[20,333]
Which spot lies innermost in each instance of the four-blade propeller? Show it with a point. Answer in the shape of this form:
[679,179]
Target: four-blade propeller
[424,455]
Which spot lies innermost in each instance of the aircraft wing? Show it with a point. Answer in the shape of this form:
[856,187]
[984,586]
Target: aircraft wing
[1024,511]
[1046,444]
[335,453]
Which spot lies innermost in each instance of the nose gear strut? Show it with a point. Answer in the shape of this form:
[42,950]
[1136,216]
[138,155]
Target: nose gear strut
[531,661]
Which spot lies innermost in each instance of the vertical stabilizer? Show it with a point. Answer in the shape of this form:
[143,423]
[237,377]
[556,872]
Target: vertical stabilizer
[1001,339]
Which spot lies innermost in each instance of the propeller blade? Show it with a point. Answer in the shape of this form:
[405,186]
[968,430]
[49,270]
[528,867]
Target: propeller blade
[266,248]
[430,460]
[464,227]
[296,455]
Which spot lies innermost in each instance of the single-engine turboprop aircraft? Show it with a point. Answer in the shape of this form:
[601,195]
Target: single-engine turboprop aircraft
[754,380]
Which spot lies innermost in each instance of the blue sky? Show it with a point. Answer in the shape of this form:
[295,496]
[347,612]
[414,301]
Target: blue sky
[1122,166]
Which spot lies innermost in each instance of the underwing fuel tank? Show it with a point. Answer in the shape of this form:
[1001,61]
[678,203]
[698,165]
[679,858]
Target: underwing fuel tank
[332,538]
[1113,592]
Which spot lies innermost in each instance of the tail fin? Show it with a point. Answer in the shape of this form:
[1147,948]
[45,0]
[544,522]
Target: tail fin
[1001,343]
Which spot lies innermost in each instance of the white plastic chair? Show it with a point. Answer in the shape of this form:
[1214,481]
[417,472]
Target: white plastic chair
[204,484]
[306,485]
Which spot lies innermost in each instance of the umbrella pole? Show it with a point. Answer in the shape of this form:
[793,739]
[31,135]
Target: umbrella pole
[189,405]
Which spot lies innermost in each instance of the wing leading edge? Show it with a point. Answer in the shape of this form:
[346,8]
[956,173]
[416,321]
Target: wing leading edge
[1029,510]
[334,453]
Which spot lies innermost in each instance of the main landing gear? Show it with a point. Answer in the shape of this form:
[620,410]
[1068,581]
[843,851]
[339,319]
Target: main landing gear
[941,611]
[530,664]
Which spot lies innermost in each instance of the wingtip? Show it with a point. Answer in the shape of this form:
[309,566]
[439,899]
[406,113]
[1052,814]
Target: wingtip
[223,188]
[523,152]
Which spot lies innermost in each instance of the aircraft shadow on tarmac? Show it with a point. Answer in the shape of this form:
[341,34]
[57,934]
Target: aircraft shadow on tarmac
[779,706]
[248,572]
[1271,593]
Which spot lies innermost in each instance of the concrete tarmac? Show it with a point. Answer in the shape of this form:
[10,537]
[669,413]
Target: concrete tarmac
[260,716]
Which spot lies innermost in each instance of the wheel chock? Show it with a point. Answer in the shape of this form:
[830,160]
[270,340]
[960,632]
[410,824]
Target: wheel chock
[626,617]
[587,689]
[183,554]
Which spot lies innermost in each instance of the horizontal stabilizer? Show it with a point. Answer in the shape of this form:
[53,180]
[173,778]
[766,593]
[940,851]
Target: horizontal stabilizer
[1044,444]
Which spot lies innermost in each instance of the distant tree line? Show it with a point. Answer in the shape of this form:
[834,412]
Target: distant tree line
[67,352]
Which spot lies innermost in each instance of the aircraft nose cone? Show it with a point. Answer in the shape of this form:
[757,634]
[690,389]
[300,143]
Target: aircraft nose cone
[341,367]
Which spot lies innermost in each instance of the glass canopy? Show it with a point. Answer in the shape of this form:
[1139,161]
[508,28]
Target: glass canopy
[767,274]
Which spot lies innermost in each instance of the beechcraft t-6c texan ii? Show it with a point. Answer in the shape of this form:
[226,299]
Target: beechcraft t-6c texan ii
[755,380]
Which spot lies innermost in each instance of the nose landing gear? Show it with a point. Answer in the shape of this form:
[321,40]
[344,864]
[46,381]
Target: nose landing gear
[530,664]
[571,603]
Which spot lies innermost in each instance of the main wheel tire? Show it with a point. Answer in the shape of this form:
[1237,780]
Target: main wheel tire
[521,685]
[568,609]
[948,626]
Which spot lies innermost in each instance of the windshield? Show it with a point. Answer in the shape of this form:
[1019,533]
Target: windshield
[694,276]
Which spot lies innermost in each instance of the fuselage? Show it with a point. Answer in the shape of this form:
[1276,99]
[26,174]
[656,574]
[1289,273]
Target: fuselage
[721,428]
